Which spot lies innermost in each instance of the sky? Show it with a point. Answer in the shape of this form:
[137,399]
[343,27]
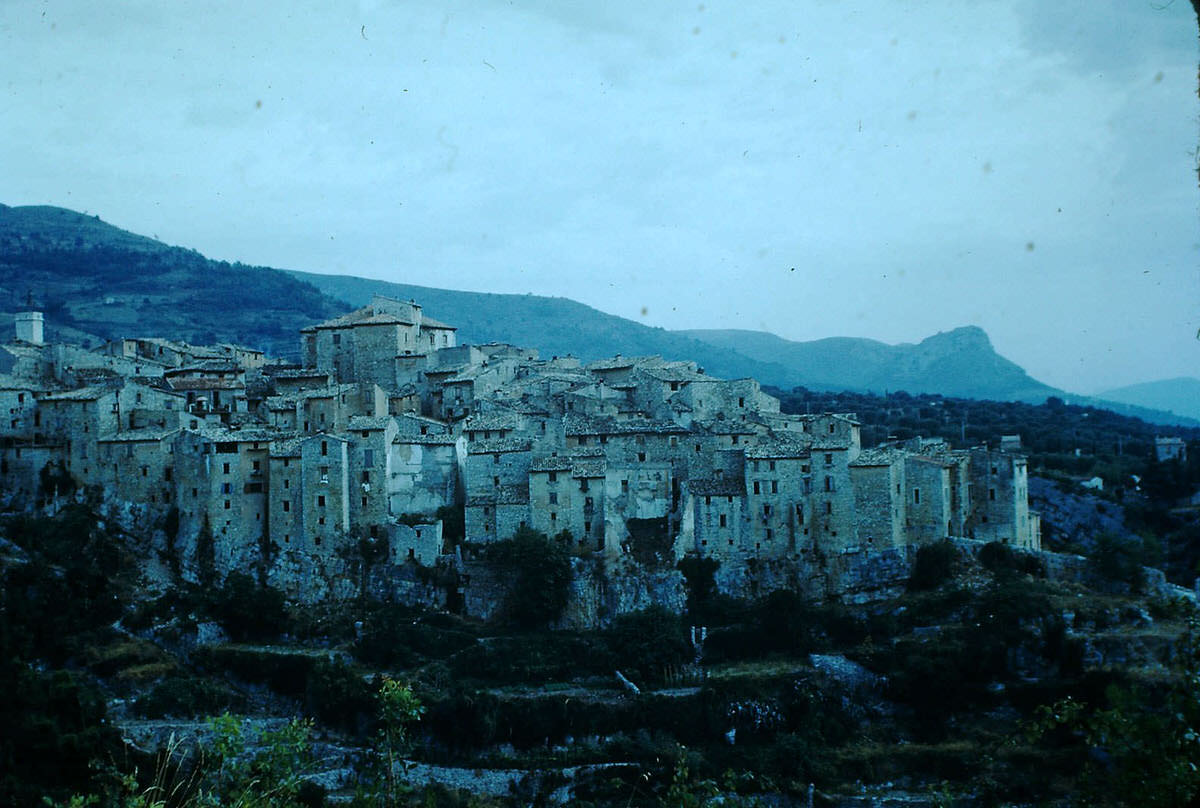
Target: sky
[885,170]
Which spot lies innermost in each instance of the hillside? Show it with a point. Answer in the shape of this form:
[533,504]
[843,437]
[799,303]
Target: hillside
[96,281]
[1180,396]
[556,326]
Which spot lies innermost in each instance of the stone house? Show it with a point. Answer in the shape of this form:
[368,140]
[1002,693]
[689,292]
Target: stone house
[1170,448]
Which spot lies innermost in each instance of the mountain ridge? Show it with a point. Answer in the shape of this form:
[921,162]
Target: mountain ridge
[96,281]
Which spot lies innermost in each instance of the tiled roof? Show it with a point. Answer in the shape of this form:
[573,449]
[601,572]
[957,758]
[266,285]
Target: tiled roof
[139,435]
[583,425]
[8,382]
[588,468]
[550,464]
[369,422]
[82,394]
[877,457]
[429,322]
[489,421]
[675,373]
[287,447]
[494,446]
[778,449]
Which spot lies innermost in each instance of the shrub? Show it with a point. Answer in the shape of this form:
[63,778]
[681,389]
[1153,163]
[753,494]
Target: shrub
[935,565]
[644,644]
[248,611]
[541,574]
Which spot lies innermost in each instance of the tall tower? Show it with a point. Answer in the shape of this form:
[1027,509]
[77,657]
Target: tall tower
[29,327]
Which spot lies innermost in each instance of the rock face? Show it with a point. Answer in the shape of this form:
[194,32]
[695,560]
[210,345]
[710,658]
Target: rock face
[1072,519]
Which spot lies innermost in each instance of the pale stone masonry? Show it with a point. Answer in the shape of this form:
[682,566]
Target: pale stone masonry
[284,468]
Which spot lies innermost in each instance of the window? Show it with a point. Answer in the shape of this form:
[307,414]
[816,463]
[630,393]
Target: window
[227,505]
[287,506]
[992,494]
[641,457]
[364,502]
[722,520]
[828,483]
[741,402]
[916,496]
[324,448]
[733,439]
[337,339]
[226,488]
[287,483]
[553,516]
[828,508]
[583,485]
[766,510]
[226,468]
[756,487]
[770,534]
[553,499]
[624,486]
[708,500]
[772,467]
[774,486]
[553,476]
[587,527]
[829,458]
[496,481]
[495,459]
[321,501]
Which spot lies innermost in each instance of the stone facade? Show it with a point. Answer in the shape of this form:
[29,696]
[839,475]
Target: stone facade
[638,460]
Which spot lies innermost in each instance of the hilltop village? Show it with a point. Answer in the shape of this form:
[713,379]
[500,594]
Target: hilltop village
[389,432]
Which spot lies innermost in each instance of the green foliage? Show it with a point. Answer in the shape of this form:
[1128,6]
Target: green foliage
[934,566]
[247,610]
[268,776]
[54,727]
[339,696]
[1120,559]
[186,697]
[541,573]
[645,644]
[1142,746]
[395,636]
[1002,560]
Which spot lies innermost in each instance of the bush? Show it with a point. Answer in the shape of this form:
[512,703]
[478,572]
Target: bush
[1000,559]
[247,611]
[644,644]
[541,574]
[935,565]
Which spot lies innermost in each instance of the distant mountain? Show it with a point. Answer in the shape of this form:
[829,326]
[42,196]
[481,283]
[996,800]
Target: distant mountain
[959,363]
[1180,396]
[556,326]
[96,281]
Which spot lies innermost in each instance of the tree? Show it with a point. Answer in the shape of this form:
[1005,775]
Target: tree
[541,572]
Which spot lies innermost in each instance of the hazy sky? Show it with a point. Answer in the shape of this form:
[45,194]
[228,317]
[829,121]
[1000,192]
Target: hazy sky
[884,170]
